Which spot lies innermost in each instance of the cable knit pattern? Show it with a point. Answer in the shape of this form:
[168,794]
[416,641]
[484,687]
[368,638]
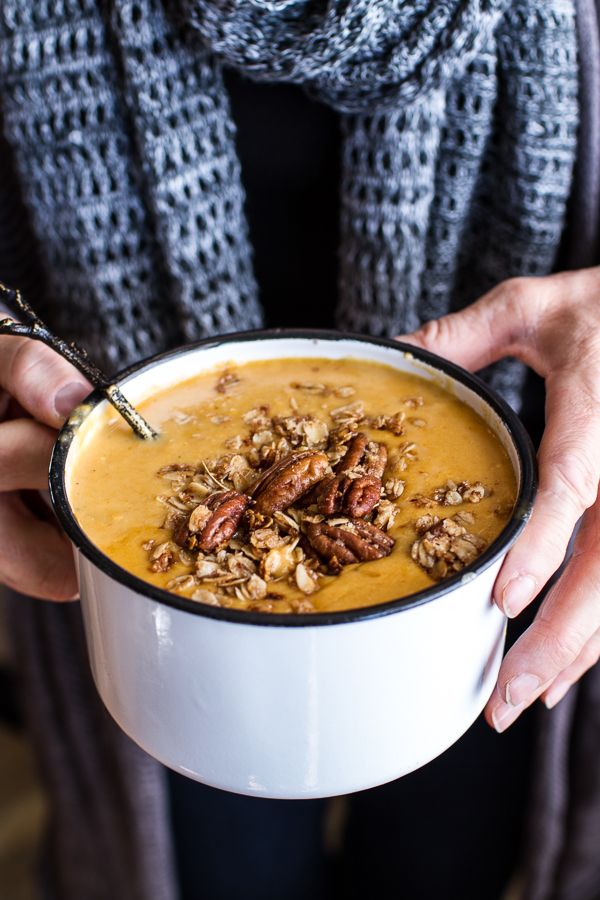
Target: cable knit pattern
[460,122]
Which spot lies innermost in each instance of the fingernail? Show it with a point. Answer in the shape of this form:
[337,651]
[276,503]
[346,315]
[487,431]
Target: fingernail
[69,396]
[504,715]
[555,694]
[519,591]
[520,688]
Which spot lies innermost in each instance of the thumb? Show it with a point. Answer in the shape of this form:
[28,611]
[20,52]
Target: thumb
[41,381]
[479,335]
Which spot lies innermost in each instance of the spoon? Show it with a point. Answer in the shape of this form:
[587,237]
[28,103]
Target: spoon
[35,329]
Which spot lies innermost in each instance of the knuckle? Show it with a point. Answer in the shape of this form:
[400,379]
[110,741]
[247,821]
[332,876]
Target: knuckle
[431,331]
[589,656]
[25,361]
[559,648]
[517,292]
[37,370]
[516,289]
[517,295]
[575,480]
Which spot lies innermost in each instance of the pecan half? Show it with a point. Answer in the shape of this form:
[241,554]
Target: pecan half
[340,546]
[356,497]
[287,480]
[355,488]
[213,523]
[354,454]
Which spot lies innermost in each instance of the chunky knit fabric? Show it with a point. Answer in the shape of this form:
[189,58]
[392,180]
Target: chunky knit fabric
[459,119]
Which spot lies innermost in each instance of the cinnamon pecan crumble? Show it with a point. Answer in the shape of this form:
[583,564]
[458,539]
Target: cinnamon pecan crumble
[453,494]
[295,498]
[445,546]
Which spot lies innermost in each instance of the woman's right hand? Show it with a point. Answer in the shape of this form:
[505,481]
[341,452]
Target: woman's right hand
[38,391]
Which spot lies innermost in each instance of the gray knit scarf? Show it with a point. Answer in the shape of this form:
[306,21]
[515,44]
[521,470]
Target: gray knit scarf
[460,121]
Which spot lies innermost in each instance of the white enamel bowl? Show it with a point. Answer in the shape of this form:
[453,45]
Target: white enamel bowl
[293,706]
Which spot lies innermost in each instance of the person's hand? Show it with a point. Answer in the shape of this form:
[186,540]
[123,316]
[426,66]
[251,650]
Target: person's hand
[553,325]
[35,556]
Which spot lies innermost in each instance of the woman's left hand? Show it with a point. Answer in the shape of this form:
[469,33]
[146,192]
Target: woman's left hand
[553,325]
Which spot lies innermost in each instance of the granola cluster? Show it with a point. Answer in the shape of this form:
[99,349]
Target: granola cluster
[296,498]
[452,494]
[445,546]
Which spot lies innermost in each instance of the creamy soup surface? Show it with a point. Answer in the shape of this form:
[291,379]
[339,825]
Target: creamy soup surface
[400,485]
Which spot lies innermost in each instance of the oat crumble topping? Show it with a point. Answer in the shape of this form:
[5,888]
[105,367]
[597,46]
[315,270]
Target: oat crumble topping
[295,498]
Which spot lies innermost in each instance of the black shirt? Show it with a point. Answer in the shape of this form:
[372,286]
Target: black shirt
[289,148]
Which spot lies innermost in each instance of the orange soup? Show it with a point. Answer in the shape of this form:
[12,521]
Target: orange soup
[296,485]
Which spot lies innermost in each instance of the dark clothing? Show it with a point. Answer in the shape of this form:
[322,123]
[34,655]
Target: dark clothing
[452,830]
[109,835]
[289,147]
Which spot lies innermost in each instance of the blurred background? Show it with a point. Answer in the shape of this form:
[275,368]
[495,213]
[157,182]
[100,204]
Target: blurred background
[22,807]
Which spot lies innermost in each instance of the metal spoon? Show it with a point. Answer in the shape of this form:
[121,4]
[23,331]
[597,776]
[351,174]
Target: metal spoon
[35,329]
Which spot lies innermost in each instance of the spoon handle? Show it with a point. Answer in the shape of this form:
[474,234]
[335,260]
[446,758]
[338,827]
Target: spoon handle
[35,329]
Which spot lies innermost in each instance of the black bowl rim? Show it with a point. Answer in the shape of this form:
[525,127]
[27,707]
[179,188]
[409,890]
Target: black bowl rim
[509,534]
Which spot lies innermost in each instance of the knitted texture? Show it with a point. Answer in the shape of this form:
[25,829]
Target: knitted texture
[459,120]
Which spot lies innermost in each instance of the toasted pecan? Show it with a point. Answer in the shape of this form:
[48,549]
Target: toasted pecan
[217,526]
[287,480]
[355,488]
[340,545]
